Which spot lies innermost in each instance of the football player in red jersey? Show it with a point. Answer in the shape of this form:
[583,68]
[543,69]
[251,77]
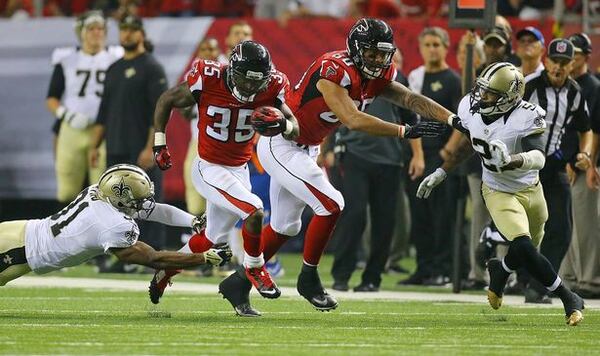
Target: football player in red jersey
[336,89]
[226,96]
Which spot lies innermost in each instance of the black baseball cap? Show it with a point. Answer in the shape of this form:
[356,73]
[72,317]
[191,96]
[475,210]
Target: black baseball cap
[581,43]
[131,21]
[561,48]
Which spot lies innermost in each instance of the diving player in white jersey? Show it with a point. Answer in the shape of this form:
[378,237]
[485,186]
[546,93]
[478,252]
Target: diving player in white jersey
[74,98]
[100,220]
[508,134]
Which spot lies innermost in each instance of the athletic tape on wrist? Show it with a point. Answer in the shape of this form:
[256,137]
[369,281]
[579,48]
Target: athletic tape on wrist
[160,139]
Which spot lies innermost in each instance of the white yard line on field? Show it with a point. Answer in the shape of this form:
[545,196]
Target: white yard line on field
[202,288]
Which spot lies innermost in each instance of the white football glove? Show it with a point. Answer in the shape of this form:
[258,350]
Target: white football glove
[218,255]
[76,120]
[430,182]
[500,154]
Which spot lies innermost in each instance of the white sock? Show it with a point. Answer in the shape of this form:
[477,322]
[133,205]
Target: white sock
[253,262]
[555,285]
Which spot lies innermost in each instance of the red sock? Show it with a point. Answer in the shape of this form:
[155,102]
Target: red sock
[199,243]
[271,242]
[317,235]
[251,242]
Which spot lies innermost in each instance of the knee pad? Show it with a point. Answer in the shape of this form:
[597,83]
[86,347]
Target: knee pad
[290,229]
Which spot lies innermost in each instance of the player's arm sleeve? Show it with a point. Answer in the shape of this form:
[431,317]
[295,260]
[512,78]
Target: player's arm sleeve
[57,82]
[194,79]
[534,142]
[283,90]
[581,119]
[334,72]
[166,214]
[120,236]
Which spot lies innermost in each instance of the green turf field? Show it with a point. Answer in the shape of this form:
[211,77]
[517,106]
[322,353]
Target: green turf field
[54,321]
[57,321]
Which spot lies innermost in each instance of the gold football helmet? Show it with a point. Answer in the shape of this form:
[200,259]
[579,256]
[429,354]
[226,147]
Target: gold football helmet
[128,188]
[499,88]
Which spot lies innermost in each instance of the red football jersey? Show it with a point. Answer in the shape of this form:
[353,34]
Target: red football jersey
[224,131]
[316,120]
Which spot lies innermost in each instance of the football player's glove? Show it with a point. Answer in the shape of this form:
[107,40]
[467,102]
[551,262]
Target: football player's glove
[424,129]
[218,255]
[76,120]
[162,157]
[500,155]
[268,121]
[430,182]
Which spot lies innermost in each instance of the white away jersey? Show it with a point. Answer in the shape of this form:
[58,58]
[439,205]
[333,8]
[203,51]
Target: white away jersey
[526,119]
[84,77]
[86,228]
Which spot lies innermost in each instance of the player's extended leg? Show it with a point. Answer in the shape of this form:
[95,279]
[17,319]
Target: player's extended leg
[13,262]
[236,287]
[295,169]
[510,212]
[227,190]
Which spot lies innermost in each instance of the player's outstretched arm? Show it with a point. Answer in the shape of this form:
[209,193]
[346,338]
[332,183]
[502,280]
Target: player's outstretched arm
[422,105]
[177,97]
[142,254]
[166,214]
[340,103]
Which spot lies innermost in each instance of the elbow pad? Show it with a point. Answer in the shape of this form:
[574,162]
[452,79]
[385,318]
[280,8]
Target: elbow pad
[533,159]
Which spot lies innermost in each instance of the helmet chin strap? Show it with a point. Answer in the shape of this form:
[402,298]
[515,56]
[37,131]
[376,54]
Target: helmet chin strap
[242,98]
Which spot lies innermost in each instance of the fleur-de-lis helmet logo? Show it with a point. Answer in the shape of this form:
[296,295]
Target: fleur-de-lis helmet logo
[121,190]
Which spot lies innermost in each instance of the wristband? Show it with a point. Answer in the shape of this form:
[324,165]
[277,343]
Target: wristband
[401,130]
[289,127]
[160,139]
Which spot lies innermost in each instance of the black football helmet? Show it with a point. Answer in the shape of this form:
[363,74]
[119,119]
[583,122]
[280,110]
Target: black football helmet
[249,70]
[370,44]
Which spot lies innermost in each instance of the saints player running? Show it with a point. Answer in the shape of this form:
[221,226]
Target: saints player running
[100,220]
[74,98]
[507,133]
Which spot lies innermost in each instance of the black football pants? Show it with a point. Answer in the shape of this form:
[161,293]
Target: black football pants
[365,184]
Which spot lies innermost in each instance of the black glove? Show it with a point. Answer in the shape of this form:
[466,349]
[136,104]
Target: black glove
[424,129]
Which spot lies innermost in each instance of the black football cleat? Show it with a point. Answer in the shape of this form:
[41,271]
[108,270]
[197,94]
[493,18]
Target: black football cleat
[236,290]
[574,306]
[309,286]
[160,281]
[498,278]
